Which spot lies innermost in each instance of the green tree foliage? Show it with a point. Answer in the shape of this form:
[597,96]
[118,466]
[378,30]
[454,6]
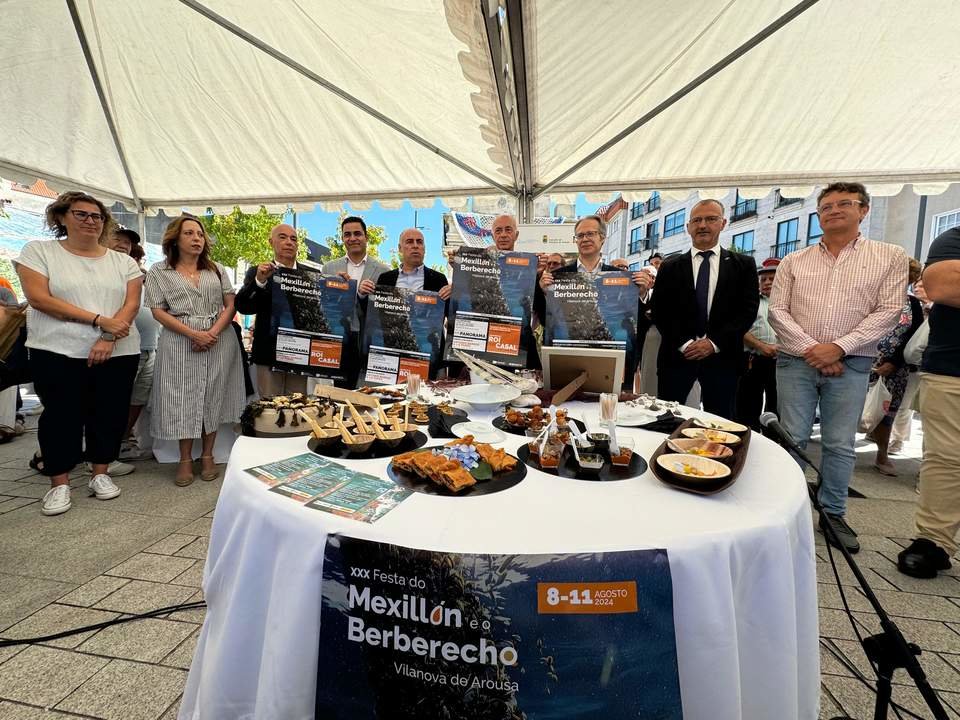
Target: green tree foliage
[243,235]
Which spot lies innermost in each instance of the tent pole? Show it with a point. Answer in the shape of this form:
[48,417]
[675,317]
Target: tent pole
[519,72]
[498,42]
[766,32]
[338,91]
[95,76]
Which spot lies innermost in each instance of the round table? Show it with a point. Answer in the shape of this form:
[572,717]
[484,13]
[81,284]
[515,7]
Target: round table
[742,564]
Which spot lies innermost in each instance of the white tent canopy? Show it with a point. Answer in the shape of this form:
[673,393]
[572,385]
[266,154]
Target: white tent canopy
[190,103]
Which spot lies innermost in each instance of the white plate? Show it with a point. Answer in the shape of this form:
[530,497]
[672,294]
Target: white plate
[481,431]
[635,416]
[485,396]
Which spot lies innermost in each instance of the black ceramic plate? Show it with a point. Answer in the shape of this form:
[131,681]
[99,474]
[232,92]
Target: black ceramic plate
[498,483]
[377,450]
[569,469]
[501,422]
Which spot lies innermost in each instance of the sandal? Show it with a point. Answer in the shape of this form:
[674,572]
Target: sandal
[36,462]
[208,475]
[184,473]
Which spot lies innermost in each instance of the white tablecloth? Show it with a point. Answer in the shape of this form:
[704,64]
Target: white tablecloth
[742,563]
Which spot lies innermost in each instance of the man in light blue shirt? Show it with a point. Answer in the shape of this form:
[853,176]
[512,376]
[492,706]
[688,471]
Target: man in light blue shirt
[757,386]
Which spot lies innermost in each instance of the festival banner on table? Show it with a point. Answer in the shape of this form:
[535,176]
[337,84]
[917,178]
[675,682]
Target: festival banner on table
[402,335]
[325,485]
[311,321]
[410,634]
[586,311]
[490,305]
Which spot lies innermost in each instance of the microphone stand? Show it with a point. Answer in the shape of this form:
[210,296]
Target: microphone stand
[888,650]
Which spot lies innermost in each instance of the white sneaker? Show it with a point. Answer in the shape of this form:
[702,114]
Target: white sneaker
[130,450]
[56,501]
[103,487]
[114,469]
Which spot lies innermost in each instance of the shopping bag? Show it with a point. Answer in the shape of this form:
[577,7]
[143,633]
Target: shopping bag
[875,406]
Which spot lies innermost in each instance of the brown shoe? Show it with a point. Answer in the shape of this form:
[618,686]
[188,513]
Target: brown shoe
[208,470]
[184,473]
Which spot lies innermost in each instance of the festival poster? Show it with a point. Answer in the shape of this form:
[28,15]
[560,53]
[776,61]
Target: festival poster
[490,305]
[402,335]
[587,311]
[311,321]
[407,634]
[289,469]
[358,496]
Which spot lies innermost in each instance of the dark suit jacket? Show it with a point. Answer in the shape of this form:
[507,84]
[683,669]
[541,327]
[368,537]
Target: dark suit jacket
[734,307]
[253,300]
[432,280]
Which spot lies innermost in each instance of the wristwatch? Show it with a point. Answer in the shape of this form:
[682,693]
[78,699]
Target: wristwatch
[108,336]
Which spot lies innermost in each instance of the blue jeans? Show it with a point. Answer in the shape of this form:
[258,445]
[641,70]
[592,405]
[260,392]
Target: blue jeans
[801,388]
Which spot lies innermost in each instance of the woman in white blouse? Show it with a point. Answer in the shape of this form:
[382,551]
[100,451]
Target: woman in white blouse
[83,346]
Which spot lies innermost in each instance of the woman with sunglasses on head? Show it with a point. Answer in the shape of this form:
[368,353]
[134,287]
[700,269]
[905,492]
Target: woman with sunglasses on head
[198,377]
[83,346]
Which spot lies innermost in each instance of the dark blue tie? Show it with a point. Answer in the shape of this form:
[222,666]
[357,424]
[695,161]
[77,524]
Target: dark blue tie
[702,291]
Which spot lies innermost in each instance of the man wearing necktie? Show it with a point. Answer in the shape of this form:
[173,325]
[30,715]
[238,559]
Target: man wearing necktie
[705,301]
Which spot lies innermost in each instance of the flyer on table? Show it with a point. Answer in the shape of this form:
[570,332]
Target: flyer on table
[311,321]
[410,634]
[402,335]
[600,311]
[490,305]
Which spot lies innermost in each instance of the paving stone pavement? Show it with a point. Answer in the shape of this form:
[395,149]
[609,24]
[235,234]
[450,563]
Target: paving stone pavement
[146,549]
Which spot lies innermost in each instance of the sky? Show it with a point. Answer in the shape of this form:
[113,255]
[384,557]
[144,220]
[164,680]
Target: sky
[320,224]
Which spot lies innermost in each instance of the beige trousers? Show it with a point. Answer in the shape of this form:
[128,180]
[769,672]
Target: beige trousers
[938,512]
[270,383]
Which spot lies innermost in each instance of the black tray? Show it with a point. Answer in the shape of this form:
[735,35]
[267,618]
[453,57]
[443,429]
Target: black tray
[498,483]
[735,462]
[377,450]
[501,423]
[568,467]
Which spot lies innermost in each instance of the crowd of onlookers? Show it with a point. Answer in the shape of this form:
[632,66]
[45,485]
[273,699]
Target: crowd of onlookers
[849,331]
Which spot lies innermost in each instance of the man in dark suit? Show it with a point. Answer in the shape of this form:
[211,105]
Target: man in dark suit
[705,301]
[589,233]
[412,273]
[255,298]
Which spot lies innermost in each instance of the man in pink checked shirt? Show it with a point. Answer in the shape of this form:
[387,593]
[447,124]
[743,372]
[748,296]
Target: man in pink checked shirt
[830,305]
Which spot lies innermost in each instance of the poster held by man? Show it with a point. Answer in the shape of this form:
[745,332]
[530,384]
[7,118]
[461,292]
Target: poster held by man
[490,304]
[584,310]
[311,321]
[402,335]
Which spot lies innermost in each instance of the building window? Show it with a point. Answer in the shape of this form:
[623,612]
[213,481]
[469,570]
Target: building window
[636,210]
[814,231]
[943,222]
[654,202]
[743,242]
[781,200]
[742,209]
[652,239]
[635,240]
[786,237]
[634,266]
[673,223]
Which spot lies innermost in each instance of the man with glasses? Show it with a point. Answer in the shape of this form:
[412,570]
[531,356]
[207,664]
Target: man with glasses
[705,300]
[256,298]
[356,265]
[830,305]
[589,233]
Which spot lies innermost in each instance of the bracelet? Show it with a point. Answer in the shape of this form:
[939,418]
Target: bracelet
[94,323]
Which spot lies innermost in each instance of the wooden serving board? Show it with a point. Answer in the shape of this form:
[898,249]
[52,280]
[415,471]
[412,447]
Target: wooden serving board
[734,462]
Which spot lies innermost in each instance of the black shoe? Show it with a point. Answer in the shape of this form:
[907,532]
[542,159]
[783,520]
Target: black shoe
[923,559]
[844,533]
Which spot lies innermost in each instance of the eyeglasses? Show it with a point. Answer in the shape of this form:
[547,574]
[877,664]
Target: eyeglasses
[587,235]
[83,216]
[840,205]
[709,219]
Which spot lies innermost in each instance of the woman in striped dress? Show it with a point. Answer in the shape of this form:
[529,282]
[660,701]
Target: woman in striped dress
[198,375]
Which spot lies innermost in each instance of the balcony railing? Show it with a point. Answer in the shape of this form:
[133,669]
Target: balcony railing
[650,242]
[780,250]
[652,204]
[781,200]
[743,209]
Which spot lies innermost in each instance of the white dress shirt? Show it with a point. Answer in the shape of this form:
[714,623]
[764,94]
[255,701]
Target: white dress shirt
[711,287]
[412,280]
[355,270]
